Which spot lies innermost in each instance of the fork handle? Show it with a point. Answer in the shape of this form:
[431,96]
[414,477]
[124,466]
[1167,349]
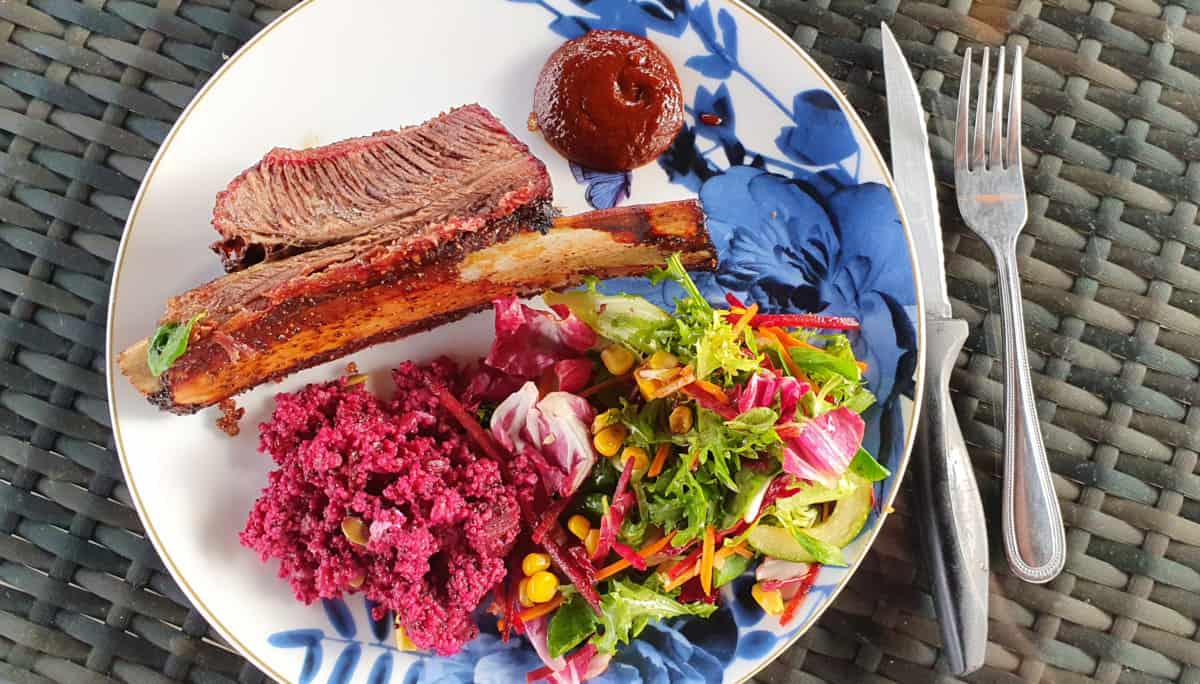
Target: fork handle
[1034,539]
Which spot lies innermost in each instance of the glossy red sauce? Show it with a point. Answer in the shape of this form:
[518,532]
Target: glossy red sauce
[609,100]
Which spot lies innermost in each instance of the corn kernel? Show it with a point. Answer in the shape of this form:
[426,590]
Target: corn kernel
[680,420]
[617,359]
[579,526]
[769,601]
[662,359]
[523,592]
[534,562]
[591,541]
[355,530]
[542,586]
[604,419]
[609,440]
[641,460]
[357,581]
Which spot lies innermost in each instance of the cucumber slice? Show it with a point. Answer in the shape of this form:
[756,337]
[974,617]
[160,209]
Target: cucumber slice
[839,529]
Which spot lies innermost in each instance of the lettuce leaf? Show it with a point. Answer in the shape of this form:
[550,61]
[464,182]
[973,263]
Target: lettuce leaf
[733,566]
[625,319]
[751,485]
[570,625]
[645,423]
[795,518]
[627,608]
[865,466]
[835,371]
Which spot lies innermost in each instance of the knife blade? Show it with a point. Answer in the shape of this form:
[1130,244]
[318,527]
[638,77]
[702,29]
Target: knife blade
[949,511]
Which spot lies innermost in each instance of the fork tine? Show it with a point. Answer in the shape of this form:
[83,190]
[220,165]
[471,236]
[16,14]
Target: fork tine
[1014,112]
[978,161]
[995,158]
[964,108]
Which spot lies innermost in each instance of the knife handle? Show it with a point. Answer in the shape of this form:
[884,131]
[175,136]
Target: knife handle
[949,511]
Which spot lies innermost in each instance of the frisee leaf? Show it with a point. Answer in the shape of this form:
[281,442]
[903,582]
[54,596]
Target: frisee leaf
[169,343]
[627,608]
[645,423]
[719,446]
[719,348]
[680,502]
[675,272]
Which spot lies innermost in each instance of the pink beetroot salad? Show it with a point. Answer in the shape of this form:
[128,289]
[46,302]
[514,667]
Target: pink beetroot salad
[440,515]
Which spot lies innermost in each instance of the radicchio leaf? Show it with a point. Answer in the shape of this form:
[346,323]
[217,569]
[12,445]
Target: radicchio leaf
[762,388]
[559,427]
[553,431]
[821,449]
[529,341]
[535,631]
[509,418]
[573,374]
[610,524]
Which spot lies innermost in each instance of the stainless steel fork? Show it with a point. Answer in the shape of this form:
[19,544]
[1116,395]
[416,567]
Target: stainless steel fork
[991,198]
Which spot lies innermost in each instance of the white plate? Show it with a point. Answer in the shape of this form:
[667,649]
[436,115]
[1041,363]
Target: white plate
[331,69]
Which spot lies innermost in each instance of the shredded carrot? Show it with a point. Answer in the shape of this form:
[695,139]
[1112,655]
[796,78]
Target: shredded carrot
[660,459]
[743,551]
[706,561]
[862,366]
[744,319]
[541,609]
[727,551]
[713,389]
[645,552]
[679,581]
[601,386]
[682,379]
[779,336]
[786,339]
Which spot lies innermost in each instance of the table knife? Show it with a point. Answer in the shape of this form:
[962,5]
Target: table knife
[949,513]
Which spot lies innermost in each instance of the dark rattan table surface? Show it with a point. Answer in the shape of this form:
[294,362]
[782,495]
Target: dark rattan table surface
[1110,263]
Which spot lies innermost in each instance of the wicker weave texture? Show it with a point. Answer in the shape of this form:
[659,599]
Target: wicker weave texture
[1111,268]
[1110,263]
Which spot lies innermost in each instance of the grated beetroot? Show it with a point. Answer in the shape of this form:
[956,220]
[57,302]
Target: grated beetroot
[440,514]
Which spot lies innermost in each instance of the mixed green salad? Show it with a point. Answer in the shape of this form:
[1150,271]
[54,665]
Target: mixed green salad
[706,442]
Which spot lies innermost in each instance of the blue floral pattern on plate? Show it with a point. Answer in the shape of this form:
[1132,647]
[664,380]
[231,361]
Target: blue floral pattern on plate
[796,230]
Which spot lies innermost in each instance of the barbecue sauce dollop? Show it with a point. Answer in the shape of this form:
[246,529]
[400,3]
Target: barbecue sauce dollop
[609,101]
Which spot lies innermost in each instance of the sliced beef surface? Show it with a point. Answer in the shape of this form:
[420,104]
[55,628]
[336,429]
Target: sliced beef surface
[460,165]
[386,253]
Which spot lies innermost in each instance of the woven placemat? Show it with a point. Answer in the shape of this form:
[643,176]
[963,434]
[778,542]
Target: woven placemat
[1111,268]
